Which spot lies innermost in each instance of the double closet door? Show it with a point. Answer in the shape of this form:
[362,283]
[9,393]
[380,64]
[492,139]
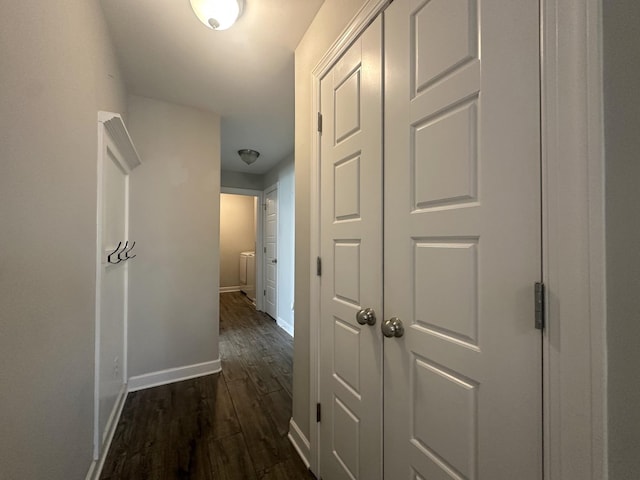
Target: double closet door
[430,362]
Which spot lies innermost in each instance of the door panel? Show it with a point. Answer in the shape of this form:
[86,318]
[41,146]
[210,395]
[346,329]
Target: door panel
[462,387]
[271,253]
[351,250]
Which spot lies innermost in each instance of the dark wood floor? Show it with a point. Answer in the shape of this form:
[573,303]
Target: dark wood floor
[232,425]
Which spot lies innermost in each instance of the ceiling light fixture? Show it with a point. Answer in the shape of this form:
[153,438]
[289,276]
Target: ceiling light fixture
[248,156]
[217,14]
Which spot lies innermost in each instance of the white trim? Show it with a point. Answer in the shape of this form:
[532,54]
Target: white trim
[98,299]
[286,326]
[369,11]
[259,244]
[97,464]
[234,288]
[299,442]
[114,124]
[358,24]
[171,375]
[573,242]
[114,137]
[125,314]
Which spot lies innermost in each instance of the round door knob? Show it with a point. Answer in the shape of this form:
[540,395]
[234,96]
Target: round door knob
[392,327]
[366,316]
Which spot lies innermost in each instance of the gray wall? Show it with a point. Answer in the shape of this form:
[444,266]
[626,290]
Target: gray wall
[329,22]
[622,138]
[57,69]
[241,180]
[283,175]
[175,206]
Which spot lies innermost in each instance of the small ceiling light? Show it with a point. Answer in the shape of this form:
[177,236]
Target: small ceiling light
[217,14]
[248,156]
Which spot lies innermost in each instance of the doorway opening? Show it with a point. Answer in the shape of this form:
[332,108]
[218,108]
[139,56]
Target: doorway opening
[240,242]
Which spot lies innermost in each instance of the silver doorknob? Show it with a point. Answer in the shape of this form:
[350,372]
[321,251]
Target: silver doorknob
[392,327]
[366,316]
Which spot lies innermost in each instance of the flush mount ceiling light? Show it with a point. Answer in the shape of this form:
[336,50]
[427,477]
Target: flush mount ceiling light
[217,14]
[248,156]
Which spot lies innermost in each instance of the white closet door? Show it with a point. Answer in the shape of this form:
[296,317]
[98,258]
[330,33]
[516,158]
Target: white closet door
[462,240]
[351,250]
[271,253]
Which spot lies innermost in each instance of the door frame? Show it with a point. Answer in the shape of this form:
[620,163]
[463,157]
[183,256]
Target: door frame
[114,137]
[573,226]
[259,220]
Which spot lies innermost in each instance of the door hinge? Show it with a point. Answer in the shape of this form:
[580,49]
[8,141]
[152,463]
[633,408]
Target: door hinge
[318,412]
[319,122]
[319,267]
[265,249]
[539,295]
[264,293]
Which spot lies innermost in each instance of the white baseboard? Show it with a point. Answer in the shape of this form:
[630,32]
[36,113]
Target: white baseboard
[110,429]
[286,326]
[299,442]
[235,288]
[154,379]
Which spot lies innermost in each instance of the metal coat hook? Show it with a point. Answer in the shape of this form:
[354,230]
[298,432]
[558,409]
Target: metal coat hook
[126,253]
[113,253]
[124,249]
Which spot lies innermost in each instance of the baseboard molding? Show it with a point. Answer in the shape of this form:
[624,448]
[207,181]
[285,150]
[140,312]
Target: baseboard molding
[235,288]
[110,429]
[299,442]
[286,326]
[172,375]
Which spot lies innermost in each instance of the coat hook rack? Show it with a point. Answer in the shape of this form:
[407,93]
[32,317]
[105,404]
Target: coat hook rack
[121,252]
[113,253]
[124,249]
[126,253]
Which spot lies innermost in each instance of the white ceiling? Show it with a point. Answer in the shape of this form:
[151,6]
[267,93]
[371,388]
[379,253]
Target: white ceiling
[245,74]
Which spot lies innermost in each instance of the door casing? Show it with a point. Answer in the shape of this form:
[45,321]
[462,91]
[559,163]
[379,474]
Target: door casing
[114,142]
[574,369]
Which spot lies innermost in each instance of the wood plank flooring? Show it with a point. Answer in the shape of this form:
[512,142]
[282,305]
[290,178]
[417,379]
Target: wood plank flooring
[231,425]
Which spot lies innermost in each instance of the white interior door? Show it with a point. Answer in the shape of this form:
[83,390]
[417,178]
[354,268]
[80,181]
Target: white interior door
[271,252]
[351,251]
[462,387]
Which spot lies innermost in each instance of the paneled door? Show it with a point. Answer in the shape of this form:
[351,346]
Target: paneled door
[351,250]
[271,252]
[462,385]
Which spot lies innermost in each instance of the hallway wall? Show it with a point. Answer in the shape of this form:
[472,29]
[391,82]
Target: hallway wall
[175,195]
[57,69]
[247,181]
[622,121]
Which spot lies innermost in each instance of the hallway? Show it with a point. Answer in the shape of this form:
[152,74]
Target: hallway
[231,425]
